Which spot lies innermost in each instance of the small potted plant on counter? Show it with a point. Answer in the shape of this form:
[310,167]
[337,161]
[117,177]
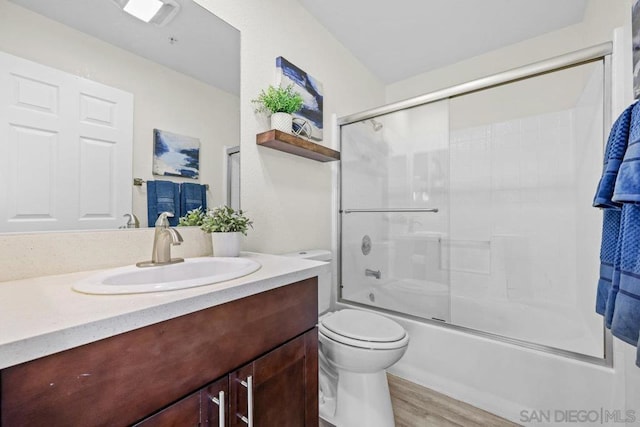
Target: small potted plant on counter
[226,225]
[193,218]
[281,103]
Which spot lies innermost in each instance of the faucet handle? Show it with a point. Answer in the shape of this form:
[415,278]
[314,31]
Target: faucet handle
[162,219]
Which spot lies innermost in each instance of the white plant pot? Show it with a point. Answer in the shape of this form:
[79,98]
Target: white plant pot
[226,244]
[282,122]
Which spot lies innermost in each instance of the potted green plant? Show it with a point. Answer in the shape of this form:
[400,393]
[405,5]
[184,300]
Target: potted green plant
[281,103]
[193,218]
[226,225]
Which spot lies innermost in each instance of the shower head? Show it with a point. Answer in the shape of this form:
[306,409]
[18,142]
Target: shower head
[376,125]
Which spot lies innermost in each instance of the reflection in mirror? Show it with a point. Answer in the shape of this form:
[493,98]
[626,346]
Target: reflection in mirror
[83,85]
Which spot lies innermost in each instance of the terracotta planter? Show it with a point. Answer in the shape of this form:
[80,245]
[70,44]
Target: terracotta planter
[226,244]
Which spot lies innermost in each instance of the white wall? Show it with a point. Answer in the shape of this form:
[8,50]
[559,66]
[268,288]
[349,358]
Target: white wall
[288,197]
[163,98]
[601,16]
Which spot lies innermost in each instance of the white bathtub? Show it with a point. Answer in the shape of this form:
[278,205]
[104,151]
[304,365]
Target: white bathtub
[413,297]
[506,379]
[500,377]
[551,326]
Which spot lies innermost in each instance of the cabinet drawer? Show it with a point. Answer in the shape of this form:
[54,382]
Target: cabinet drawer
[122,379]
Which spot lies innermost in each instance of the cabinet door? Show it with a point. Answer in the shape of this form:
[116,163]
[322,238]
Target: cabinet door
[215,404]
[184,413]
[280,388]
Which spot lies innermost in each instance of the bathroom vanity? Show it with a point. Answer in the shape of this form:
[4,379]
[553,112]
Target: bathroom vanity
[251,359]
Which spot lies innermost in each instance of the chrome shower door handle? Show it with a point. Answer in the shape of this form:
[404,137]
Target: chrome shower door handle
[248,420]
[220,402]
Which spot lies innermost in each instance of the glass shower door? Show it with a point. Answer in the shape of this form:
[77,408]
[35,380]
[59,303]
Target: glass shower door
[395,212]
[525,160]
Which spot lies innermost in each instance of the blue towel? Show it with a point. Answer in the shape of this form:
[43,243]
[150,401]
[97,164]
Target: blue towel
[614,153]
[614,282]
[624,312]
[163,196]
[609,263]
[610,231]
[627,184]
[192,196]
[625,323]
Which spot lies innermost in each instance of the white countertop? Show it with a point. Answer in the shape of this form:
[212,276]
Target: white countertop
[42,316]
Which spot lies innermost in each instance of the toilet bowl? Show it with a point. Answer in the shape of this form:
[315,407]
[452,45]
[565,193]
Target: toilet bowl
[359,346]
[355,348]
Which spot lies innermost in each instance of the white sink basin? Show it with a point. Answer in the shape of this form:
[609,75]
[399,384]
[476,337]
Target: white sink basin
[188,274]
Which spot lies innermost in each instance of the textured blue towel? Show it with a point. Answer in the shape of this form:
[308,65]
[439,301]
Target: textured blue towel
[618,296]
[192,196]
[615,268]
[627,184]
[610,231]
[163,196]
[625,323]
[625,311]
[614,153]
[609,264]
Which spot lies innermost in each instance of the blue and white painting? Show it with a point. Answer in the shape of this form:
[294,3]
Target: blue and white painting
[175,155]
[311,91]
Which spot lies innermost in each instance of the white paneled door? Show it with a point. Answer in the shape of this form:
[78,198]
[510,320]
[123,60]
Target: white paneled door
[65,150]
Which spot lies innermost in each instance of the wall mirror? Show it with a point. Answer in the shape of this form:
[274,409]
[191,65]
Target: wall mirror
[75,76]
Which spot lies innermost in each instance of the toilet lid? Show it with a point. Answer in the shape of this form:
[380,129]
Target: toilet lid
[363,326]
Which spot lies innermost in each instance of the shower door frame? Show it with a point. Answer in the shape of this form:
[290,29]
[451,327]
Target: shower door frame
[601,52]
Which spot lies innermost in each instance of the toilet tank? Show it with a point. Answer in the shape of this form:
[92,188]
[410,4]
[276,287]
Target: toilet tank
[324,279]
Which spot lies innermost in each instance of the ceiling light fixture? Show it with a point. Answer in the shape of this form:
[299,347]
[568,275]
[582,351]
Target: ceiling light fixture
[158,12]
[144,10]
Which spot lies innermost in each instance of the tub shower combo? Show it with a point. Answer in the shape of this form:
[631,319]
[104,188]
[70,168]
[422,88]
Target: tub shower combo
[470,207]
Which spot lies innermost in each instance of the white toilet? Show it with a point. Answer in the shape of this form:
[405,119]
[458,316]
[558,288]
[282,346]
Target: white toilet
[356,347]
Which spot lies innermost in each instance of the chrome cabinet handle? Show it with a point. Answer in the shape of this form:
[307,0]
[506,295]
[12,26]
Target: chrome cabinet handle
[220,402]
[248,420]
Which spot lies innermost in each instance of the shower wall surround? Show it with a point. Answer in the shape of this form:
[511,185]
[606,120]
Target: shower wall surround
[498,376]
[520,199]
[510,170]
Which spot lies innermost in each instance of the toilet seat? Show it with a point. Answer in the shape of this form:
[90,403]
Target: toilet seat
[363,330]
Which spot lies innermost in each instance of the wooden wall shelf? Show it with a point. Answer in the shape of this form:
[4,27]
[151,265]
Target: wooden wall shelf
[292,144]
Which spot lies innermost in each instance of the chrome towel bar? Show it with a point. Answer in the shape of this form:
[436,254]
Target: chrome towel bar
[348,211]
[139,181]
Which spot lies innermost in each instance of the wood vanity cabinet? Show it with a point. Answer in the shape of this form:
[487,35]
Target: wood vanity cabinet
[260,351]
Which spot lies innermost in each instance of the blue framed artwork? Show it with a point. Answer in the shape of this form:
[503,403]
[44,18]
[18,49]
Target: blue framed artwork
[311,91]
[175,155]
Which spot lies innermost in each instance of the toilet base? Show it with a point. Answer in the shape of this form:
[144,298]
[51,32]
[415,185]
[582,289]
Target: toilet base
[363,400]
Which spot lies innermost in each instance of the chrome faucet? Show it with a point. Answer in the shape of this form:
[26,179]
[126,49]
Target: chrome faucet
[372,273]
[163,238]
[132,222]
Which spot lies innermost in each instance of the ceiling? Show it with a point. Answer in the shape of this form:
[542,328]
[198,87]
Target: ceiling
[206,47]
[402,38]
[393,39]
